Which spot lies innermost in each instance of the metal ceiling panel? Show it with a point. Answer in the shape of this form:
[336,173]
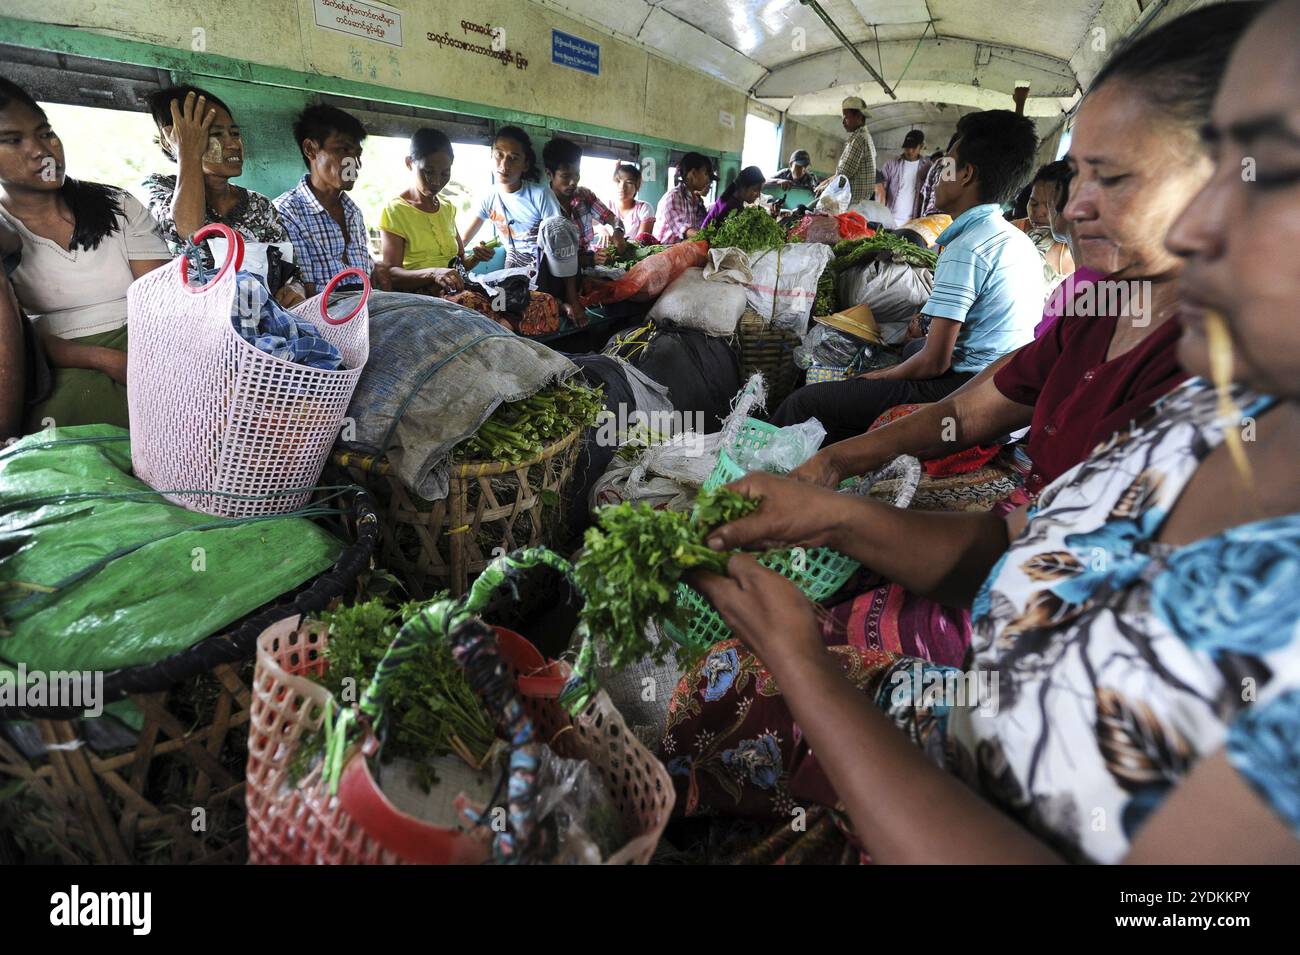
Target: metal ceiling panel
[662,30]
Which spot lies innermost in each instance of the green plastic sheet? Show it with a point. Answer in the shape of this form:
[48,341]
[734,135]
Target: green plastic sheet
[98,572]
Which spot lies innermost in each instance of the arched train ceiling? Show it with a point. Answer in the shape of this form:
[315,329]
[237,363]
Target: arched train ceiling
[941,58]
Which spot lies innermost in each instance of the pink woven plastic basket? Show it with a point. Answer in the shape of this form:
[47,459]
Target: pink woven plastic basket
[216,424]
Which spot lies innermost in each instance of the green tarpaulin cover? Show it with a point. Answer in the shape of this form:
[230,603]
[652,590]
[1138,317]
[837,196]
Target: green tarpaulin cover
[97,572]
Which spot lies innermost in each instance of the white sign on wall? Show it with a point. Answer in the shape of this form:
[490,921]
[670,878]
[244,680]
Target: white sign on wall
[375,21]
[726,119]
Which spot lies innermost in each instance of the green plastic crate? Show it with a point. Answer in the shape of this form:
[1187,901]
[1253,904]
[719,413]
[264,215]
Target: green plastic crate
[818,574]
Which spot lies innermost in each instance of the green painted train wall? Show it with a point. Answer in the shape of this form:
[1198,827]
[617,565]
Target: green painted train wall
[267,59]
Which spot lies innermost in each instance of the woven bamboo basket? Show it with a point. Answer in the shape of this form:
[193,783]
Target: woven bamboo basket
[491,508]
[175,795]
[766,348]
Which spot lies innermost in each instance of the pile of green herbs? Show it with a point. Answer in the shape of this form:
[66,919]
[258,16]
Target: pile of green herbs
[851,252]
[751,229]
[631,564]
[519,430]
[632,254]
[431,709]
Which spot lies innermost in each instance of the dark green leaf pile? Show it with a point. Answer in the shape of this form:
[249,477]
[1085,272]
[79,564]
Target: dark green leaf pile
[631,564]
[851,252]
[519,430]
[751,229]
[633,253]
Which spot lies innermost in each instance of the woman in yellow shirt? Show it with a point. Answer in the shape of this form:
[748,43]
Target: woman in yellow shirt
[418,229]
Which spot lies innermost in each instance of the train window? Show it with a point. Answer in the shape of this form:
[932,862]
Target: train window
[598,175]
[112,146]
[762,144]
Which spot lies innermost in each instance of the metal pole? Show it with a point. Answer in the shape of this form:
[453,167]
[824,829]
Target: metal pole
[848,45]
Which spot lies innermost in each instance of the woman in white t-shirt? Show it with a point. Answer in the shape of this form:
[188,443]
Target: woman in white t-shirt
[637,215]
[517,203]
[83,244]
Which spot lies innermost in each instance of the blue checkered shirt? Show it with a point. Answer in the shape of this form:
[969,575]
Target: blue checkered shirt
[318,246]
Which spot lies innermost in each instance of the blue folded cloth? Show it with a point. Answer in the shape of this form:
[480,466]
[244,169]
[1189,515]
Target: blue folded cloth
[263,323]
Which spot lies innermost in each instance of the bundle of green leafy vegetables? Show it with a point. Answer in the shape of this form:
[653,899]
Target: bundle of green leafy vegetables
[827,301]
[632,253]
[519,430]
[631,564]
[851,252]
[431,709]
[751,229]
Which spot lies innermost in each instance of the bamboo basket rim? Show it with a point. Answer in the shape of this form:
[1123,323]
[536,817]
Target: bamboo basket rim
[467,469]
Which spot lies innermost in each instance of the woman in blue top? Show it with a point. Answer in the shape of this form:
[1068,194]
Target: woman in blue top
[517,203]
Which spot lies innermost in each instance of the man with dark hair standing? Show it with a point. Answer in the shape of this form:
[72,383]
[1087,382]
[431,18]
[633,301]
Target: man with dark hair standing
[858,161]
[988,287]
[326,227]
[904,178]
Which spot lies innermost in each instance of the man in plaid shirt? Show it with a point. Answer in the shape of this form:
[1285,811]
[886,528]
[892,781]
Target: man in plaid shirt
[562,159]
[326,227]
[858,161]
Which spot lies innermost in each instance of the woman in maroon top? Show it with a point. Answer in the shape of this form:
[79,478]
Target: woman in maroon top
[1109,357]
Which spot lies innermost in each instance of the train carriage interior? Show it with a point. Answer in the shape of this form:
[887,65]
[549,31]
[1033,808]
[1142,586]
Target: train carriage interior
[530,430]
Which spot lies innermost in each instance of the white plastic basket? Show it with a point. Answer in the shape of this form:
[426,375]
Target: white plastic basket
[218,425]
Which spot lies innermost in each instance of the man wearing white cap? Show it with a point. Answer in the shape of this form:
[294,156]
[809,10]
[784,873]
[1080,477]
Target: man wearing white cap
[858,161]
[558,246]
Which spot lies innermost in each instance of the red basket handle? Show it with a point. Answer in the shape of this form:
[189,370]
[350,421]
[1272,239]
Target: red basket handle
[333,284]
[234,253]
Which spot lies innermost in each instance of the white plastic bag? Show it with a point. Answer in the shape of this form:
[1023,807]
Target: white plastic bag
[874,211]
[665,475]
[254,254]
[785,283]
[690,302]
[836,197]
[790,447]
[894,290]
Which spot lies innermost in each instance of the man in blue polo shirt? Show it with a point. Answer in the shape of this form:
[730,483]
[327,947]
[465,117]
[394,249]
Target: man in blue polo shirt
[988,286]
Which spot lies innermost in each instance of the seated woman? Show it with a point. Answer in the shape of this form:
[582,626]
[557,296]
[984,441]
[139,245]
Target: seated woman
[1136,685]
[82,244]
[746,189]
[1044,190]
[198,132]
[418,229]
[1096,369]
[517,202]
[637,215]
[681,210]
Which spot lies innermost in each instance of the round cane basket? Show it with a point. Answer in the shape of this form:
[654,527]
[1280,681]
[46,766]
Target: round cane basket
[175,793]
[491,508]
[766,348]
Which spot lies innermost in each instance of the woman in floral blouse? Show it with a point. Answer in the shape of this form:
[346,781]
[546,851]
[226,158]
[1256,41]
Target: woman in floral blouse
[197,131]
[1135,688]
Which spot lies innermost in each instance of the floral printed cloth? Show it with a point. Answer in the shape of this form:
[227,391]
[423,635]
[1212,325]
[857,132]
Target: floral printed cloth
[1105,663]
[253,215]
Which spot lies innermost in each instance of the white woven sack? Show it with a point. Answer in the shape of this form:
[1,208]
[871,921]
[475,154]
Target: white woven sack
[785,283]
[713,308]
[216,424]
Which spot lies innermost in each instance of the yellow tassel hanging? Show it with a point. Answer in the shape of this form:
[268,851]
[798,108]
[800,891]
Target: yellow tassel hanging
[1220,342]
